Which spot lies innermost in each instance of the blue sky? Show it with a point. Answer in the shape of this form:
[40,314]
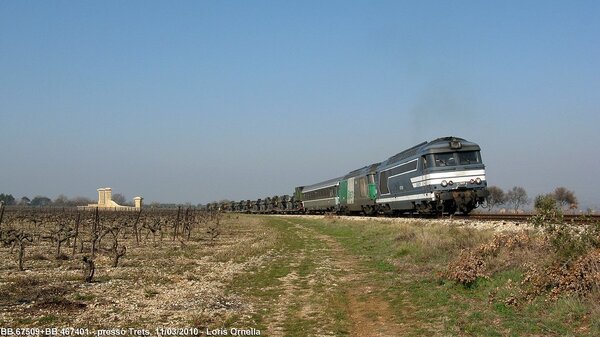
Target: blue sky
[204,100]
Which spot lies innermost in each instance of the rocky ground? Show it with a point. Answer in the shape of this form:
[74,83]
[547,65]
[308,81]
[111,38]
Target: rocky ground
[495,225]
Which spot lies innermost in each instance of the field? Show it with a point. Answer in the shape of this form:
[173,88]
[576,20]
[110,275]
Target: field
[289,276]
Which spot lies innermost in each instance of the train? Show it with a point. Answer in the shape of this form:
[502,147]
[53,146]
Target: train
[443,176]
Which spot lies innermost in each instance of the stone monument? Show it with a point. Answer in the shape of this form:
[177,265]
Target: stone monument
[105,202]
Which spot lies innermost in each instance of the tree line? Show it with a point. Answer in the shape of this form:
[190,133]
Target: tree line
[517,197]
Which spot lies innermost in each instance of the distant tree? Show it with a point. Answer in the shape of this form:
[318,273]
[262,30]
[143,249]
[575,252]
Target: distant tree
[61,200]
[496,197]
[517,197]
[24,201]
[41,201]
[81,201]
[119,198]
[8,199]
[564,197]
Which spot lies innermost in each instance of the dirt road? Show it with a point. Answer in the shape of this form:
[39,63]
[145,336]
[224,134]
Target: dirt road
[338,281]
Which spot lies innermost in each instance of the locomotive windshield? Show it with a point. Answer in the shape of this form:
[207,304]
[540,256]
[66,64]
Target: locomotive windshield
[452,159]
[466,158]
[444,159]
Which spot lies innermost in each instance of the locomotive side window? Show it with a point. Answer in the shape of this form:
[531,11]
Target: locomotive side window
[470,157]
[410,166]
[324,193]
[444,159]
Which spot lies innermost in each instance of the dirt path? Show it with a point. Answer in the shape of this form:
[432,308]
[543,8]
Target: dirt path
[336,269]
[370,314]
[298,290]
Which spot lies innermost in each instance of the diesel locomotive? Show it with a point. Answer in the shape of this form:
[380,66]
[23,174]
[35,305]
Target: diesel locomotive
[446,175]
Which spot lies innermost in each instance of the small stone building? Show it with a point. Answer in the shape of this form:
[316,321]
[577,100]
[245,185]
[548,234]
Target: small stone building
[105,202]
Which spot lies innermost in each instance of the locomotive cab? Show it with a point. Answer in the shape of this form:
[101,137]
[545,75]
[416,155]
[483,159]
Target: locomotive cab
[455,174]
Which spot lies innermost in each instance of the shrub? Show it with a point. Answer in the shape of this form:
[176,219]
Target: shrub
[580,278]
[503,251]
[575,253]
[467,269]
[545,204]
[569,240]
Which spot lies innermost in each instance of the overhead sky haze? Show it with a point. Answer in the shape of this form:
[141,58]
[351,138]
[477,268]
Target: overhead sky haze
[196,101]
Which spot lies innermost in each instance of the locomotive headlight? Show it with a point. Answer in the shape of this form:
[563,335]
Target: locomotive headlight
[450,183]
[478,181]
[444,183]
[472,181]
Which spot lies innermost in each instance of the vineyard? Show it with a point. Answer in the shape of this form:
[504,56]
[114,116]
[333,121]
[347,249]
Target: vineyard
[73,233]
[62,267]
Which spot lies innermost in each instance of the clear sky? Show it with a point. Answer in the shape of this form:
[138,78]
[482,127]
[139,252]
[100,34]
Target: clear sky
[195,101]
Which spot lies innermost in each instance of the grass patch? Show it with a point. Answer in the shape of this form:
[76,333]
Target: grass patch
[84,297]
[48,319]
